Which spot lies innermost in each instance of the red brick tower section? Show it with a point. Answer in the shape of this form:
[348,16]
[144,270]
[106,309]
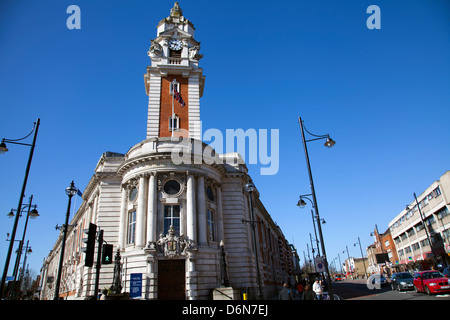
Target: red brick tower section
[182,113]
[175,55]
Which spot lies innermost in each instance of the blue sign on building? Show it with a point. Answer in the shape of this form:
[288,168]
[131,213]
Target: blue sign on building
[135,285]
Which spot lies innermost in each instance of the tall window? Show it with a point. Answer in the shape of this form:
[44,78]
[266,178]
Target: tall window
[131,232]
[172,218]
[174,123]
[211,225]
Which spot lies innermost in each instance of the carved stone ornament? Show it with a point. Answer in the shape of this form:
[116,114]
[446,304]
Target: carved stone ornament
[171,245]
[194,53]
[155,50]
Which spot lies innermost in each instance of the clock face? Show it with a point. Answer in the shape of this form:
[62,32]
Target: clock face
[175,45]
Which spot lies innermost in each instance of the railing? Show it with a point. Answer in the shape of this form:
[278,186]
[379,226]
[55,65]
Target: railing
[175,60]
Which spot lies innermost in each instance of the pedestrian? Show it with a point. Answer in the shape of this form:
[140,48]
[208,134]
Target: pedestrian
[317,288]
[308,294]
[286,293]
[300,289]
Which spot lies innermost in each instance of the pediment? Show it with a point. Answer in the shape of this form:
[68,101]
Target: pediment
[175,31]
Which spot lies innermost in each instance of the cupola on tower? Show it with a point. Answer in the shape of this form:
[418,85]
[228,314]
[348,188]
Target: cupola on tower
[174,82]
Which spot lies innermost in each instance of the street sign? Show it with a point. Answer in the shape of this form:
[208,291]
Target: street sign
[135,285]
[320,266]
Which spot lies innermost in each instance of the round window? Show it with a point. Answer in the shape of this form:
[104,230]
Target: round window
[172,187]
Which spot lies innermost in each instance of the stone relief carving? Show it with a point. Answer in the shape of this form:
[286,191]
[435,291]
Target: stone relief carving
[194,53]
[155,50]
[171,245]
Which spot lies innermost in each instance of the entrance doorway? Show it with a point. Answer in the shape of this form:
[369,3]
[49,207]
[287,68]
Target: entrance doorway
[171,280]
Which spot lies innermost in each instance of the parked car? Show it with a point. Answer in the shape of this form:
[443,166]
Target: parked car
[431,282]
[338,277]
[402,281]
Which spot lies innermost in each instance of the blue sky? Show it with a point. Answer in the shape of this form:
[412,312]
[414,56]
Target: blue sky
[383,96]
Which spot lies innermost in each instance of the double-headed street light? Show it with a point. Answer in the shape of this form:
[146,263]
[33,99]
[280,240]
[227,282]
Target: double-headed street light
[70,191]
[425,227]
[33,214]
[329,143]
[362,256]
[301,204]
[4,149]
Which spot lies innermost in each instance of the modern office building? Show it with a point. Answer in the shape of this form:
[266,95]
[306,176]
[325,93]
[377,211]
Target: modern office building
[421,232]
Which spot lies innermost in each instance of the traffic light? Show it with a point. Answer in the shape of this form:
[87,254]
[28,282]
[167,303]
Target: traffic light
[90,244]
[107,254]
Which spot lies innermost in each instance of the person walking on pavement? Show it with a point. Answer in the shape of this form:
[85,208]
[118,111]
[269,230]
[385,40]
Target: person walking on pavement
[286,293]
[308,294]
[317,288]
[300,289]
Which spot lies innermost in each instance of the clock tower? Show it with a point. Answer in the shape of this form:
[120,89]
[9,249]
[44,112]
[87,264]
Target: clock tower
[174,82]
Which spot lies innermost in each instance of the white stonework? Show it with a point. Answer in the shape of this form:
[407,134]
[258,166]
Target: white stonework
[139,199]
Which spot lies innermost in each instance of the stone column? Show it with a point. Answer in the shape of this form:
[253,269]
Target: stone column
[219,216]
[191,217]
[152,213]
[201,210]
[140,218]
[95,209]
[191,275]
[123,218]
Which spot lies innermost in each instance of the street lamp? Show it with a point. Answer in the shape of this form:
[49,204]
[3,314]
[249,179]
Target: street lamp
[250,187]
[348,256]
[33,214]
[70,191]
[362,255]
[301,204]
[22,276]
[426,229]
[329,143]
[4,149]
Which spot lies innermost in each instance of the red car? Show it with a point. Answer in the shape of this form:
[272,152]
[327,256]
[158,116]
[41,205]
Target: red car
[431,282]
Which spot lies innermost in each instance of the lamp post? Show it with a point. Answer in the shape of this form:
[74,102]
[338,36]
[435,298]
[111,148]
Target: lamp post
[70,191]
[426,229]
[339,257]
[250,187]
[348,259]
[301,204]
[27,252]
[329,143]
[4,149]
[33,213]
[362,256]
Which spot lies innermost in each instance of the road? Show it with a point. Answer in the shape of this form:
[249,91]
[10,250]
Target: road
[358,290]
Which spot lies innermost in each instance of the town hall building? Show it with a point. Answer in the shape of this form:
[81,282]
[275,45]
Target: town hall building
[171,220]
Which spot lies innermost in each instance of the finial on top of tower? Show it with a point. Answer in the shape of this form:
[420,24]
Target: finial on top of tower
[176,11]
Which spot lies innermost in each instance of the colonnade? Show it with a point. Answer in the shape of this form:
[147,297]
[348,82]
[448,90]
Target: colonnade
[147,210]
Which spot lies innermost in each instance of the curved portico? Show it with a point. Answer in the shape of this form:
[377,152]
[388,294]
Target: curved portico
[159,192]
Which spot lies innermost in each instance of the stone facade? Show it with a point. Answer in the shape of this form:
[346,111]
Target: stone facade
[168,217]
